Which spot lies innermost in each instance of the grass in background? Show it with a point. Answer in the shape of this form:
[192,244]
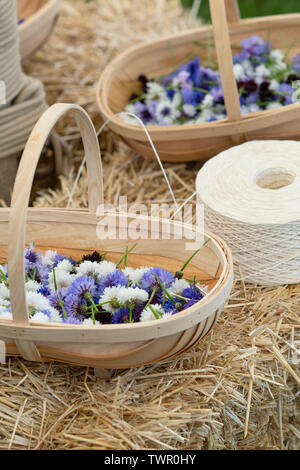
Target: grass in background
[250,8]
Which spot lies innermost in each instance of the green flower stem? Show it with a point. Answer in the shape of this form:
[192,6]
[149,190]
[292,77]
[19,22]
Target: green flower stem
[3,277]
[54,279]
[194,254]
[93,315]
[164,290]
[130,314]
[34,274]
[124,257]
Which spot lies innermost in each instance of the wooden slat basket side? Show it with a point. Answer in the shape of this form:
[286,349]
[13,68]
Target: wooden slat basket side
[40,17]
[104,346]
[200,141]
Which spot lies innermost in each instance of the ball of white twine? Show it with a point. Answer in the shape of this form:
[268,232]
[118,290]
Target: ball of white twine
[251,197]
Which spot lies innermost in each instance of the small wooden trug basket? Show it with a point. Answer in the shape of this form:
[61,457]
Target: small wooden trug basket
[40,17]
[74,232]
[159,57]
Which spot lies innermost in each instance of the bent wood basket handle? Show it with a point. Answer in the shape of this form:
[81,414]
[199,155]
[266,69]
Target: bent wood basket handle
[232,11]
[224,54]
[20,200]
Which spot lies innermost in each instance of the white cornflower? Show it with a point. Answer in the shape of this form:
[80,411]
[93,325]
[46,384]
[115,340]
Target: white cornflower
[63,279]
[276,54]
[64,265]
[238,71]
[37,301]
[89,322]
[207,101]
[204,116]
[4,292]
[48,258]
[148,315]
[178,286]
[273,105]
[262,71]
[248,68]
[106,267]
[32,286]
[135,275]
[39,317]
[55,316]
[5,314]
[117,297]
[278,66]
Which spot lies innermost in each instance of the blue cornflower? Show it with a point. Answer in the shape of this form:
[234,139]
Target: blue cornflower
[31,257]
[120,316]
[149,280]
[193,69]
[192,97]
[192,293]
[116,278]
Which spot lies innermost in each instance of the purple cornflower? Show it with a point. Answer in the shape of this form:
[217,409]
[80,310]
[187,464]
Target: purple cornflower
[44,290]
[143,112]
[256,46]
[79,293]
[54,300]
[116,278]
[287,91]
[149,280]
[72,320]
[31,257]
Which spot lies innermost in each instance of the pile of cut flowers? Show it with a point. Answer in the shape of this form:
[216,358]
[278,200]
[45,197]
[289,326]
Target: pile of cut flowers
[95,291]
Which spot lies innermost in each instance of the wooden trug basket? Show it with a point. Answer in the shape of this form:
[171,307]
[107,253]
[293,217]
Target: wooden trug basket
[74,232]
[155,58]
[40,17]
